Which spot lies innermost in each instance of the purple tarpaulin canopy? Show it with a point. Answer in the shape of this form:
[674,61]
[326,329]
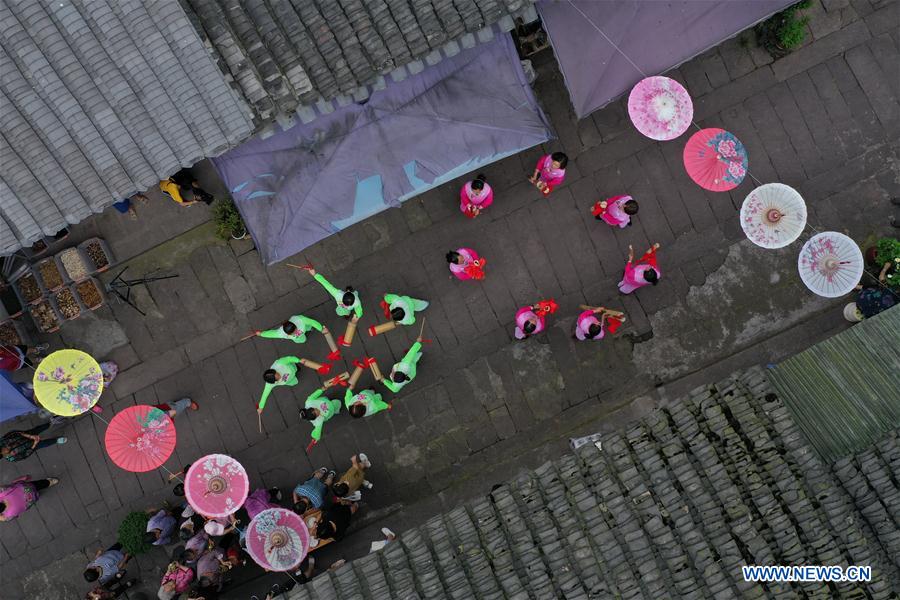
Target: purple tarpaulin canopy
[656,35]
[301,185]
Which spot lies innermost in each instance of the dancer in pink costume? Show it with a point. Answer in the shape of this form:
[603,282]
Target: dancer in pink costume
[475,196]
[589,327]
[531,320]
[644,272]
[466,264]
[549,172]
[616,211]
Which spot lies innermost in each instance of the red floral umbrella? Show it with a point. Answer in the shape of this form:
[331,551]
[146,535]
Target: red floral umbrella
[140,438]
[715,160]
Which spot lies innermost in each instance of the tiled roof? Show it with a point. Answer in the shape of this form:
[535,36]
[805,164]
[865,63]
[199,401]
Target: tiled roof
[290,55]
[670,508]
[99,100]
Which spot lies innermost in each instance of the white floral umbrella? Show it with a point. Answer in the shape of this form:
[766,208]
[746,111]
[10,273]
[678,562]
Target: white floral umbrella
[830,264]
[773,215]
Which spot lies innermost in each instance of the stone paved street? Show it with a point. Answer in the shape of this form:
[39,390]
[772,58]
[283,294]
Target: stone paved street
[824,120]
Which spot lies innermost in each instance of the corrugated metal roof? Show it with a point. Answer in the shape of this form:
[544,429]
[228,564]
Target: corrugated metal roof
[670,508]
[99,100]
[845,392]
[287,56]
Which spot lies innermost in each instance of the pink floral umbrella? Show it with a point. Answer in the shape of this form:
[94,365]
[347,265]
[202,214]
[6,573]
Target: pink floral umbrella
[830,264]
[216,485]
[140,438]
[660,108]
[773,215]
[277,539]
[715,160]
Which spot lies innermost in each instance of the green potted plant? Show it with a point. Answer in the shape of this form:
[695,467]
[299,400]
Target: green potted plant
[131,533]
[887,256]
[229,223]
[783,31]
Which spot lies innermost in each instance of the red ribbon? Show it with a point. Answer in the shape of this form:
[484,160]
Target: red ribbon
[386,308]
[324,369]
[335,355]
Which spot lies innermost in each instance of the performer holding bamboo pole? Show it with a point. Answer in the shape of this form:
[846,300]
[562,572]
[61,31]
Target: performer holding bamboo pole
[590,327]
[347,300]
[643,272]
[319,409]
[402,309]
[282,372]
[404,371]
[367,402]
[294,329]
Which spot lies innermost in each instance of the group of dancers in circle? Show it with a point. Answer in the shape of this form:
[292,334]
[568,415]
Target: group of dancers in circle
[476,196]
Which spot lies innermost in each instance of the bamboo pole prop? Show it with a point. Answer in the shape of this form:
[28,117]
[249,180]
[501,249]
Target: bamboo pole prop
[382,328]
[613,313]
[259,420]
[317,367]
[422,328]
[247,337]
[349,333]
[340,380]
[376,372]
[305,267]
[335,353]
[357,373]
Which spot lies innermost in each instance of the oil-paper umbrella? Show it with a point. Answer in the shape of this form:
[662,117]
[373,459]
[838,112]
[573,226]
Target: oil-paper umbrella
[773,215]
[140,438]
[660,108]
[830,264]
[277,539]
[216,485]
[68,382]
[715,160]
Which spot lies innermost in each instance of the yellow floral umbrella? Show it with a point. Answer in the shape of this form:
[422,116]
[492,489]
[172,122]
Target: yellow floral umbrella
[68,382]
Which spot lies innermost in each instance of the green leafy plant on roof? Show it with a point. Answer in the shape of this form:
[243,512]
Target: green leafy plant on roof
[888,252]
[228,220]
[131,533]
[784,31]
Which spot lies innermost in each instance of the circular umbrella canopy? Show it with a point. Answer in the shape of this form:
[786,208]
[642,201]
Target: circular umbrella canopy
[277,539]
[216,485]
[660,108]
[68,382]
[773,215]
[830,264]
[140,438]
[715,160]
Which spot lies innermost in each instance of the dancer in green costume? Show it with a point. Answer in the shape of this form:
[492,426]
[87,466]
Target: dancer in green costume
[364,403]
[317,410]
[347,299]
[404,371]
[402,309]
[294,329]
[282,372]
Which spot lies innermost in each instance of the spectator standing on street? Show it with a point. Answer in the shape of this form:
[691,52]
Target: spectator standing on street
[108,565]
[549,172]
[13,358]
[354,478]
[475,196]
[173,409]
[336,520]
[20,494]
[311,493]
[19,445]
[176,580]
[161,528]
[644,272]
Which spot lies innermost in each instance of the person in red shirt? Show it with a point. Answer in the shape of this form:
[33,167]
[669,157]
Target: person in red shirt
[13,358]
